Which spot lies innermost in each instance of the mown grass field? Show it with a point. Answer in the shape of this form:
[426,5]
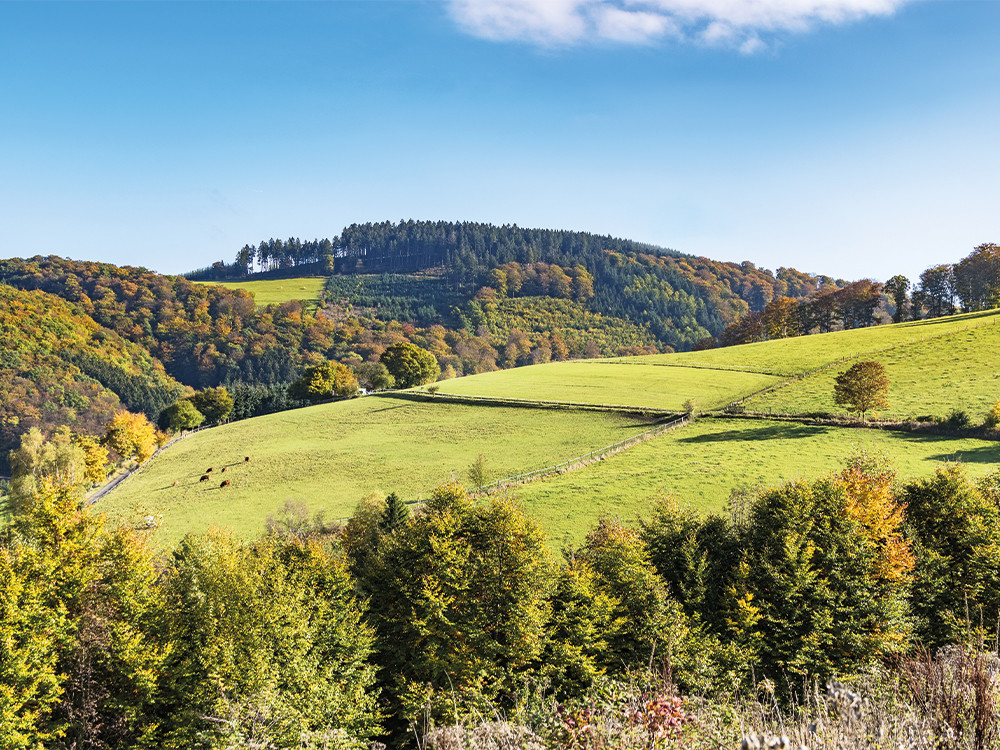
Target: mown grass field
[275,291]
[700,465]
[600,382]
[803,354]
[960,371]
[330,456]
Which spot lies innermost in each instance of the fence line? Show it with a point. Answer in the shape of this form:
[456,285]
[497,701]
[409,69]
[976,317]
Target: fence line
[526,402]
[585,459]
[115,481]
[847,358]
[690,365]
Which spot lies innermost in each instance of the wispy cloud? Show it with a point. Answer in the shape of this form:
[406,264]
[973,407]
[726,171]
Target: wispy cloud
[741,24]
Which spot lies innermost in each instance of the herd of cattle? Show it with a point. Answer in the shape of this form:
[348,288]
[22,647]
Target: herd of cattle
[207,475]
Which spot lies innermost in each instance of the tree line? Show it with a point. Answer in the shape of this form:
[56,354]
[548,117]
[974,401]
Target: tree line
[321,635]
[971,285]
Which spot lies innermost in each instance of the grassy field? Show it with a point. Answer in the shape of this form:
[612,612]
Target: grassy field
[937,365]
[701,463]
[332,455]
[803,354]
[598,382]
[960,371]
[274,291]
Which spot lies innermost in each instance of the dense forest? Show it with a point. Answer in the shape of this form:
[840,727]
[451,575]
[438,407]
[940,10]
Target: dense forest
[680,298]
[60,368]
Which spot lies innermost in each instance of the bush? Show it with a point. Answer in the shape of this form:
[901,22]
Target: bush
[992,420]
[958,419]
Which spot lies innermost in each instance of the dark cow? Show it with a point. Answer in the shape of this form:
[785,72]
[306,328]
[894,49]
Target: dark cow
[224,484]
[208,470]
[222,469]
[247,458]
[203,477]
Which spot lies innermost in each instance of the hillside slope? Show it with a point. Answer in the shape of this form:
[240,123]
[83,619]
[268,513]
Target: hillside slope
[330,456]
[59,367]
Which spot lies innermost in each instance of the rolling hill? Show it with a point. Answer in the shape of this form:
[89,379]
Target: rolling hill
[330,456]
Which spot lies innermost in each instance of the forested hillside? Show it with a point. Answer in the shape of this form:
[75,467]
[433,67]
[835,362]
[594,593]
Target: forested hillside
[681,299]
[203,335]
[58,367]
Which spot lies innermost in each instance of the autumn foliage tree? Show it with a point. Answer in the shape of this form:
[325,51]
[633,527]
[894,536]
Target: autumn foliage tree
[327,380]
[131,436]
[862,387]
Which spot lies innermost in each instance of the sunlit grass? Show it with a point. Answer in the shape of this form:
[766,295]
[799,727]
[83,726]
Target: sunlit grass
[601,382]
[932,378]
[702,463]
[275,291]
[332,455]
[806,353]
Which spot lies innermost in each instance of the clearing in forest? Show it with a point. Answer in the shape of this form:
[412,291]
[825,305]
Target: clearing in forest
[306,289]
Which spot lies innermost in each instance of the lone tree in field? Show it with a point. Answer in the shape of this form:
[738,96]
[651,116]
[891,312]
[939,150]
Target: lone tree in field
[863,387]
[410,365]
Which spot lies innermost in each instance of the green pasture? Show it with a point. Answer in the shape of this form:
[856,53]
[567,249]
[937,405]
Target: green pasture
[276,291]
[599,382]
[960,371]
[803,354]
[700,465]
[330,456]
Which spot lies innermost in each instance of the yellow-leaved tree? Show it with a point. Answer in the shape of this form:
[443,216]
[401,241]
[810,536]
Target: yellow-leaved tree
[131,436]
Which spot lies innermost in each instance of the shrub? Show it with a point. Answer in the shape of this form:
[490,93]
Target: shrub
[958,419]
[992,420]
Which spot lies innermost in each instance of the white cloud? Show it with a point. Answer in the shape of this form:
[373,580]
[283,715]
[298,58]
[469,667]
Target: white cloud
[736,23]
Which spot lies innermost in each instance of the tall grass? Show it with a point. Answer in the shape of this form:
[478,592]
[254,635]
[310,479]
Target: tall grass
[922,702]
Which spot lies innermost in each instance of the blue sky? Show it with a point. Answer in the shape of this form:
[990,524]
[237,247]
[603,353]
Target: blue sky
[856,138]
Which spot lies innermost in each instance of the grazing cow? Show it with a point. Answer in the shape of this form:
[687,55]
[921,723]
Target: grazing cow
[176,482]
[246,459]
[208,470]
[222,469]
[203,477]
[225,483]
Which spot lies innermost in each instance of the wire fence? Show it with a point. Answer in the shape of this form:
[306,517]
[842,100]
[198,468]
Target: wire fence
[585,459]
[527,403]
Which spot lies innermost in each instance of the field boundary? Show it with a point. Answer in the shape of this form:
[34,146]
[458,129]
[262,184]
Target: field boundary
[584,460]
[849,423]
[691,366]
[113,483]
[850,358]
[526,403]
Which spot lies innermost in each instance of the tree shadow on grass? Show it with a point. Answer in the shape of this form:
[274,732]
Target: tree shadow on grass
[986,454]
[773,431]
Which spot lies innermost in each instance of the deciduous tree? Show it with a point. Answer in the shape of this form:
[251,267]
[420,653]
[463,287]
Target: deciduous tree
[324,381]
[181,415]
[897,288]
[862,387]
[131,436]
[410,365]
